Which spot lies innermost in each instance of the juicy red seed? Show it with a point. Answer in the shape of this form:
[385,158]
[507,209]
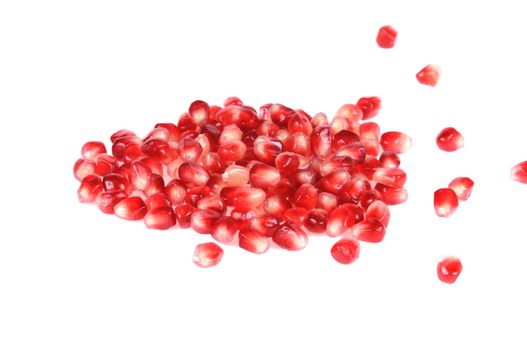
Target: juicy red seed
[519,172]
[175,191]
[448,269]
[207,254]
[243,215]
[212,133]
[161,218]
[370,106]
[304,176]
[450,140]
[243,198]
[316,220]
[342,123]
[321,141]
[356,151]
[92,149]
[267,129]
[339,221]
[306,196]
[132,153]
[445,202]
[154,165]
[353,191]
[233,100]
[224,229]
[157,200]
[368,167]
[213,202]
[370,230]
[120,134]
[193,175]
[140,175]
[298,143]
[263,176]
[299,123]
[389,159]
[290,236]
[183,214]
[296,215]
[392,195]
[265,224]
[343,138]
[229,133]
[386,37]
[105,164]
[327,201]
[346,251]
[213,163]
[368,197]
[335,181]
[157,149]
[350,111]
[267,149]
[132,208]
[357,213]
[173,131]
[276,204]
[369,135]
[462,186]
[319,119]
[378,210]
[232,151]
[287,162]
[390,176]
[396,141]
[193,195]
[252,241]
[89,188]
[429,75]
[107,200]
[333,163]
[202,221]
[236,175]
[248,138]
[190,150]
[83,168]
[199,112]
[116,182]
[157,133]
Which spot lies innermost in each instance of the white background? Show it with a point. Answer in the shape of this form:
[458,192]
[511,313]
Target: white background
[72,278]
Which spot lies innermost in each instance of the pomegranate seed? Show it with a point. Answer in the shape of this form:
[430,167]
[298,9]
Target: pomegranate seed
[224,229]
[216,183]
[448,269]
[83,168]
[263,175]
[236,175]
[353,191]
[132,153]
[232,101]
[140,175]
[296,215]
[290,236]
[339,124]
[321,141]
[213,202]
[267,129]
[90,187]
[304,176]
[519,172]
[230,132]
[298,143]
[390,176]
[342,219]
[316,220]
[429,75]
[210,133]
[450,140]
[267,149]
[202,221]
[183,214]
[161,218]
[389,159]
[265,224]
[175,191]
[369,135]
[157,200]
[299,123]
[334,163]
[213,163]
[343,138]
[335,181]
[319,119]
[346,251]
[276,205]
[392,195]
[386,37]
[306,196]
[243,197]
[462,186]
[116,182]
[370,106]
[368,197]
[105,164]
[107,200]
[193,175]
[378,210]
[173,131]
[120,134]
[199,112]
[350,111]
[241,216]
[327,201]
[190,150]
[154,165]
[445,202]
[287,162]
[370,230]
[252,241]
[232,151]
[207,254]
[396,141]
[195,194]
[157,133]
[132,208]
[92,149]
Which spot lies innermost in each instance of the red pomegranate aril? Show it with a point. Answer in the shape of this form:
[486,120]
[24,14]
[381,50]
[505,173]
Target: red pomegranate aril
[299,123]
[236,175]
[450,140]
[290,236]
[316,220]
[339,221]
[369,135]
[252,241]
[207,255]
[120,134]
[116,182]
[462,186]
[92,149]
[161,218]
[319,119]
[445,202]
[229,133]
[157,200]
[211,133]
[157,133]
[369,196]
[346,251]
[243,198]
[213,202]
[352,192]
[183,214]
[378,210]
[389,159]
[327,201]
[306,196]
[390,176]
[339,124]
[175,191]
[321,141]
[199,112]
[296,215]
[157,149]
[276,204]
[386,37]
[202,221]
[173,131]
[267,129]
[89,188]
[133,153]
[233,100]
[298,143]
[131,208]
[193,195]
[243,215]
[429,75]
[213,163]
[83,168]
[392,195]
[105,164]
[232,151]
[333,163]
[370,106]
[265,224]
[224,229]
[370,230]
[107,200]
[448,269]
[140,175]
[304,176]
[155,166]
[350,111]
[343,138]
[335,181]
[248,138]
[193,175]
[368,167]
[216,183]
[190,150]
[287,162]
[267,149]
[396,141]
[356,151]
[519,172]
[263,175]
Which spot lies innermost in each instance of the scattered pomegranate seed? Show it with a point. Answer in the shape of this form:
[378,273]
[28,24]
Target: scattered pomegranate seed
[213,202]
[429,75]
[252,241]
[370,106]
[132,208]
[83,168]
[175,191]
[243,197]
[462,186]
[519,172]
[161,218]
[450,140]
[396,141]
[386,37]
[207,254]
[346,251]
[116,182]
[448,269]
[445,202]
[193,175]
[140,175]
[290,236]
[321,141]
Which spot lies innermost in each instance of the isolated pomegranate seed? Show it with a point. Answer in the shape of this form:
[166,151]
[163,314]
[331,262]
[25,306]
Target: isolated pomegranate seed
[350,111]
[154,165]
[224,229]
[378,210]
[429,75]
[386,37]
[390,176]
[131,208]
[243,198]
[356,151]
[306,196]
[207,254]
[296,215]
[83,168]
[316,220]
[346,251]
[448,269]
[213,202]
[199,112]
[252,241]
[321,141]
[462,186]
[519,172]
[370,106]
[396,141]
[290,236]
[183,214]
[445,202]
[339,124]
[116,182]
[263,175]
[161,218]
[353,190]
[92,149]
[368,197]
[175,191]
[89,188]
[107,200]
[389,159]
[193,175]
[157,149]
[140,175]
[370,230]
[392,195]
[157,200]
[339,221]
[450,140]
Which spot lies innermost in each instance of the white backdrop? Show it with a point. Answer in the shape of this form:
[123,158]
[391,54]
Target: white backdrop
[73,278]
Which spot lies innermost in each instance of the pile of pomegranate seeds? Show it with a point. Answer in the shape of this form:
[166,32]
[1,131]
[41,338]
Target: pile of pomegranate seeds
[254,179]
